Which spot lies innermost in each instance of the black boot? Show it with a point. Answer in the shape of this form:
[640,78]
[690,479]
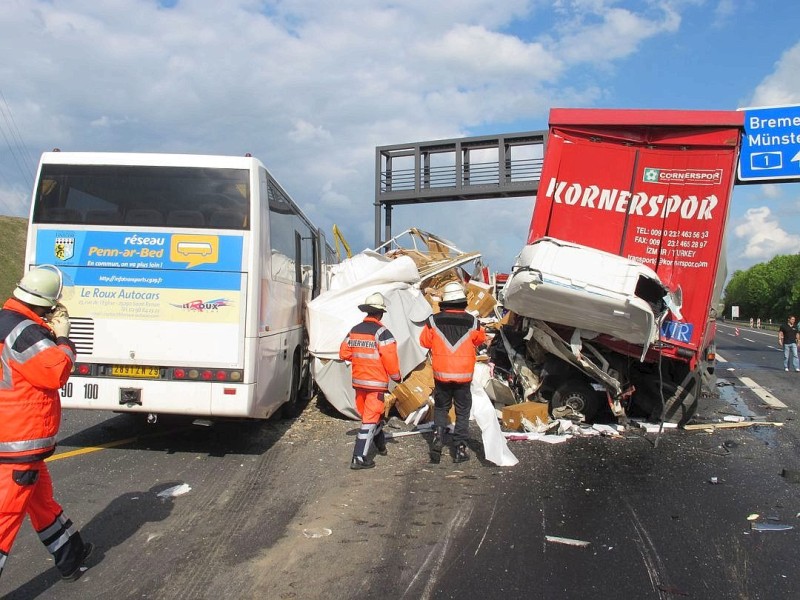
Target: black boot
[437,445]
[380,446]
[380,442]
[461,453]
[78,571]
[361,463]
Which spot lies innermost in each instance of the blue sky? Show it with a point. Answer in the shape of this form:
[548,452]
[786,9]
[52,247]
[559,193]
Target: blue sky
[312,87]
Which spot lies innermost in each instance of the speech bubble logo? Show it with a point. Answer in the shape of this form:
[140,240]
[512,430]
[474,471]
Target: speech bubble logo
[194,250]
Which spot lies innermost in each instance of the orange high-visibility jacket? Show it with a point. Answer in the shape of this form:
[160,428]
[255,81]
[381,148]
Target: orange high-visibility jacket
[372,350]
[34,366]
[452,336]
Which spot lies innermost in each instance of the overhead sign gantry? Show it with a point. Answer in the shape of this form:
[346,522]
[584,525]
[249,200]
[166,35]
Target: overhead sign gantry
[485,167]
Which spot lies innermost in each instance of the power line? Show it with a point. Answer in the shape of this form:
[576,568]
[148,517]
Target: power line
[19,152]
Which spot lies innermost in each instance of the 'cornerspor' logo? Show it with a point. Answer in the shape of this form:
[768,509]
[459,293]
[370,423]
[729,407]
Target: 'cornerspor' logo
[682,176]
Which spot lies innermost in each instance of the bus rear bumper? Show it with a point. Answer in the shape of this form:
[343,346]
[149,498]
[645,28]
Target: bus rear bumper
[195,398]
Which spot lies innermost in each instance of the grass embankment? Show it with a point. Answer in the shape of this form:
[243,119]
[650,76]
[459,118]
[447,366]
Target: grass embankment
[12,253]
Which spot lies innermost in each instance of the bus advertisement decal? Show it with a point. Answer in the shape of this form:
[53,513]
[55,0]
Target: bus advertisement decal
[148,250]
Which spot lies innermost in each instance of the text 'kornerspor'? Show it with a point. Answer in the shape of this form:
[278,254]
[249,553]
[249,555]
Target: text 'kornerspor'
[625,201]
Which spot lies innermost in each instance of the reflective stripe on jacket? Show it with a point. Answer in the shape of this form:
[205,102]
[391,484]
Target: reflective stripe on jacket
[34,366]
[452,336]
[372,350]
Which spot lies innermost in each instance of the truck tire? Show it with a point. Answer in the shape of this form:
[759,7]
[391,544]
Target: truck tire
[578,395]
[680,404]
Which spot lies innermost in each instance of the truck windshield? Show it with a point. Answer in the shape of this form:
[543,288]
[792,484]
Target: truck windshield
[143,196]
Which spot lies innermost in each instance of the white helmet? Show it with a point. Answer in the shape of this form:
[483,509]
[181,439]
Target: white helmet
[374,303]
[41,286]
[453,292]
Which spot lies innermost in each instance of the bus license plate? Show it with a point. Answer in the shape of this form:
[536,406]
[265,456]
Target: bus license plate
[135,371]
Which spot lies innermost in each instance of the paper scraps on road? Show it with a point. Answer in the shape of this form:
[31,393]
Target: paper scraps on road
[175,490]
[566,541]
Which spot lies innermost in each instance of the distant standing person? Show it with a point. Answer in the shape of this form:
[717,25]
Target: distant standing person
[758,323]
[452,335]
[751,322]
[789,337]
[36,358]
[372,351]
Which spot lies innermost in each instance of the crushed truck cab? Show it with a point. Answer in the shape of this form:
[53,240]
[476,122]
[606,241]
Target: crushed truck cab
[624,267]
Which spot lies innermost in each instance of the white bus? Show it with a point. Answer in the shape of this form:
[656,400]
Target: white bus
[186,279]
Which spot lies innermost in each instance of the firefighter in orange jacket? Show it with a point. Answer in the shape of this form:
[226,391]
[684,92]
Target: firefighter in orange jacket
[372,351]
[452,335]
[36,358]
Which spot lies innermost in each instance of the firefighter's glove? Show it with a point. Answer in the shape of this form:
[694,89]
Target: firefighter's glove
[388,402]
[60,326]
[59,310]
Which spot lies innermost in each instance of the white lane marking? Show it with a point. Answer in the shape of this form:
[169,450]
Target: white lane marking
[762,393]
[748,340]
[757,389]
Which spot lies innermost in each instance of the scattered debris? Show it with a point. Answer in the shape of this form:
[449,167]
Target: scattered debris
[791,475]
[653,427]
[753,516]
[714,480]
[770,527]
[566,541]
[317,532]
[733,418]
[424,428]
[175,490]
[723,425]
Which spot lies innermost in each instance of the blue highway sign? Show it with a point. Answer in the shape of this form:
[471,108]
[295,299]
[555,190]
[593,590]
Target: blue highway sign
[771,145]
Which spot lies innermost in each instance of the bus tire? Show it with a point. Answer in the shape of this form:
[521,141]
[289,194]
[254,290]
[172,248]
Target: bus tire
[291,408]
[578,395]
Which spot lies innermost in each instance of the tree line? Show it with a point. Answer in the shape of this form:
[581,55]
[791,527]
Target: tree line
[769,290]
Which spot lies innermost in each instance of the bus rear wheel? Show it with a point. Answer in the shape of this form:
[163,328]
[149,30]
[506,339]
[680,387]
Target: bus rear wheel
[291,409]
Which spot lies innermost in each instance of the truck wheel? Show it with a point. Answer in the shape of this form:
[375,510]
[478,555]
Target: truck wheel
[680,403]
[291,409]
[578,395]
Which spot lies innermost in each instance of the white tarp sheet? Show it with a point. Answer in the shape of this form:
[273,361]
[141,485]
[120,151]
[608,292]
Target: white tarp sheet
[333,313]
[495,446]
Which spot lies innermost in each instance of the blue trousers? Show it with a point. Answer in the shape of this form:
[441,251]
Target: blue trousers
[790,352]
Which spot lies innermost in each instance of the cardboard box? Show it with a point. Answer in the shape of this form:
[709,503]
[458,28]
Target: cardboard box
[499,392]
[512,415]
[480,299]
[415,390]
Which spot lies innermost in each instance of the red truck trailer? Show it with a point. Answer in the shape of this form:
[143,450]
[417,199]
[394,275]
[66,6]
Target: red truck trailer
[620,281]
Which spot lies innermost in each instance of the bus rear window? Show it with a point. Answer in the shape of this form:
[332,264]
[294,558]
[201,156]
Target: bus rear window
[143,196]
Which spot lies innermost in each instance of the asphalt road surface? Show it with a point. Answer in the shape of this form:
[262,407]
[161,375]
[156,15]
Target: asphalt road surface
[271,510]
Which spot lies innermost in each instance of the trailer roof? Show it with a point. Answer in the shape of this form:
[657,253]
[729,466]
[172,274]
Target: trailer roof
[614,116]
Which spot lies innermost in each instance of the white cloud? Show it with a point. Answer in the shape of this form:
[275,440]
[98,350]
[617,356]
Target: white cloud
[762,236]
[602,34]
[312,86]
[782,86]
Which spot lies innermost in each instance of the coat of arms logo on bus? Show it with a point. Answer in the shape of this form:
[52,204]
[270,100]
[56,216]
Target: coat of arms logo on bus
[64,247]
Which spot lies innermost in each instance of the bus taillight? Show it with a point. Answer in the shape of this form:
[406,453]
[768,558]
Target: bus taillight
[84,369]
[221,375]
[179,374]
